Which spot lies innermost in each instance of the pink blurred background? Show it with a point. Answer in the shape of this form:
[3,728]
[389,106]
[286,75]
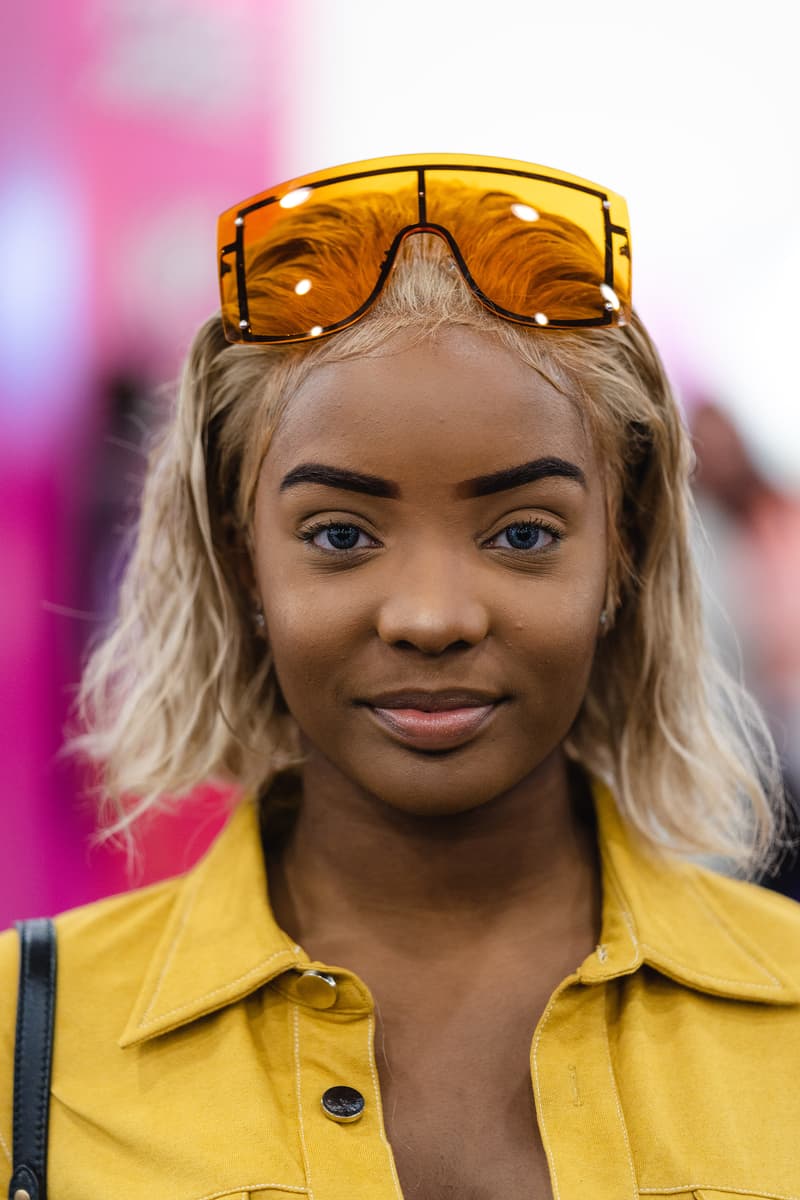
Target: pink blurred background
[128,125]
[126,129]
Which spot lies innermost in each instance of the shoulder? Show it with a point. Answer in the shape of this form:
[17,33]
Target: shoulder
[102,946]
[102,950]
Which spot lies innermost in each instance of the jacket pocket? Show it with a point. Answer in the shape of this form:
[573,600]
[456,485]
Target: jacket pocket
[735,1194]
[285,1193]
[271,1191]
[275,1193]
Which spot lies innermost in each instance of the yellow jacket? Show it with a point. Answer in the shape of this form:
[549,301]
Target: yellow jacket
[191,1051]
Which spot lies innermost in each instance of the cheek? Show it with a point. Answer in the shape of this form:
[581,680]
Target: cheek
[561,641]
[554,641]
[311,642]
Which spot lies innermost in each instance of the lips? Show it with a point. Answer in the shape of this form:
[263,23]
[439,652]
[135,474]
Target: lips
[434,730]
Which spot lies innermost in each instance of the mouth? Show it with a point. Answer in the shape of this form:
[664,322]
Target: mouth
[434,730]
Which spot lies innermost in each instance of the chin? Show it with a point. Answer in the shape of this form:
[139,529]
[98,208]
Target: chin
[416,795]
[435,806]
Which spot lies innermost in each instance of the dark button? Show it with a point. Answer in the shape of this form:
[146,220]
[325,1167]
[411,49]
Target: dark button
[342,1104]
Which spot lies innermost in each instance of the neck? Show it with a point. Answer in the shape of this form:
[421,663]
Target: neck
[355,871]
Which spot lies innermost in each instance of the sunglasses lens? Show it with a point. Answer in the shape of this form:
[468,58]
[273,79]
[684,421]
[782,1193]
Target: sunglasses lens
[298,254]
[535,249]
[312,257]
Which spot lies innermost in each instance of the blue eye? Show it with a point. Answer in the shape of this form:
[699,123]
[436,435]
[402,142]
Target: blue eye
[536,536]
[338,530]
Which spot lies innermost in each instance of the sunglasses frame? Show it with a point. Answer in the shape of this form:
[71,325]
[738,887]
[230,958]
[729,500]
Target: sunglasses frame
[233,221]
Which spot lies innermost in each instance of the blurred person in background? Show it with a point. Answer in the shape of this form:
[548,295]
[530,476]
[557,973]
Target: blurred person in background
[413,572]
[751,563]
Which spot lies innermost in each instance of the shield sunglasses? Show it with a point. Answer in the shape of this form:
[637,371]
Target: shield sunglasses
[537,246]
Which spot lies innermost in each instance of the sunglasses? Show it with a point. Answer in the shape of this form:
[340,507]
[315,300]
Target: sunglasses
[311,256]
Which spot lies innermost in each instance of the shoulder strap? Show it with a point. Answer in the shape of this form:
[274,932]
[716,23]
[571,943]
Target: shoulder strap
[32,1058]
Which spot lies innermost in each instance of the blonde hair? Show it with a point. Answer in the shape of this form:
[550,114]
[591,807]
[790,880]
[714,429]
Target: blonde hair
[181,690]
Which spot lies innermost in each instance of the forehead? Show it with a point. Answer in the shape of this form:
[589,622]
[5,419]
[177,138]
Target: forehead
[442,409]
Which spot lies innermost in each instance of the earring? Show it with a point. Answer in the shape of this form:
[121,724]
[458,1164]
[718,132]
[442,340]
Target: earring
[604,618]
[258,617]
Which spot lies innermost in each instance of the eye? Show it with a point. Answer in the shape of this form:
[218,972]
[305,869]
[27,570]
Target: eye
[529,535]
[339,532]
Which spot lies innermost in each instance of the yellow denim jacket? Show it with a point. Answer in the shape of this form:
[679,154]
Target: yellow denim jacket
[192,1051]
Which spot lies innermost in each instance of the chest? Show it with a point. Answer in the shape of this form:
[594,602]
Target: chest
[460,1113]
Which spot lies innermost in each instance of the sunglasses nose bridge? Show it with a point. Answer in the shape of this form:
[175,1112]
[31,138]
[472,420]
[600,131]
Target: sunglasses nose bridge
[438,230]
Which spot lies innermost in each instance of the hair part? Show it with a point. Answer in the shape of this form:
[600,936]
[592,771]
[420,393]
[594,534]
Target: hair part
[180,690]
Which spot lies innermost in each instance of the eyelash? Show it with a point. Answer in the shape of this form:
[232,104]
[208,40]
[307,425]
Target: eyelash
[307,535]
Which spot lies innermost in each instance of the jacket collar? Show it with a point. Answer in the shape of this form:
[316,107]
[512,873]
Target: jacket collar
[703,929]
[221,941]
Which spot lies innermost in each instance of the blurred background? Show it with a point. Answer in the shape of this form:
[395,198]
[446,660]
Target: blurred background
[128,125]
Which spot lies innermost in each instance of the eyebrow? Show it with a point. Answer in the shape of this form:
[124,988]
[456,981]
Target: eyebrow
[480,485]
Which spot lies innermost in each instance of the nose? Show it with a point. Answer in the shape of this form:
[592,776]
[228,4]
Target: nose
[432,601]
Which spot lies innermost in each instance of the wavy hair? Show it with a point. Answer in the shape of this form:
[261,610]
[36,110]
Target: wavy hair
[180,689]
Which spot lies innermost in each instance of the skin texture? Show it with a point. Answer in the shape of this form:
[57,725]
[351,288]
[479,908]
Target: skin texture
[435,874]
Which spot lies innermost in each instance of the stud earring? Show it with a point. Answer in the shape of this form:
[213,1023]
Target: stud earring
[258,617]
[604,618]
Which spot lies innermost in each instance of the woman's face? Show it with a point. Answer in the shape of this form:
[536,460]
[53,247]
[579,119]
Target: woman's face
[433,583]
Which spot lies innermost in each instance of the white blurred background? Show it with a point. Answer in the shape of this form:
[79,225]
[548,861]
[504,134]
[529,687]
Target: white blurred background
[691,110]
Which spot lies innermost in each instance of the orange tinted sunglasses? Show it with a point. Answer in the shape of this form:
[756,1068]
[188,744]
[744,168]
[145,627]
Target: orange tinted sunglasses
[537,246]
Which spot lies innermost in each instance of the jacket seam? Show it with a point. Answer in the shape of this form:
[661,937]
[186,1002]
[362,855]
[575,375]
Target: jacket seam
[755,1193]
[545,1137]
[187,908]
[299,1092]
[250,1187]
[620,1115]
[215,992]
[673,962]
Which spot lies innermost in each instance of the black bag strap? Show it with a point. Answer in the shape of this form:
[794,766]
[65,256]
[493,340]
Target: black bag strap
[33,1058]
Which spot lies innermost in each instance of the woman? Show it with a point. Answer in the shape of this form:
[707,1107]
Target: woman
[412,572]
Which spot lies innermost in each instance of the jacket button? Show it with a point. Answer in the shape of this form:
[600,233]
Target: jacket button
[317,989]
[342,1104]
